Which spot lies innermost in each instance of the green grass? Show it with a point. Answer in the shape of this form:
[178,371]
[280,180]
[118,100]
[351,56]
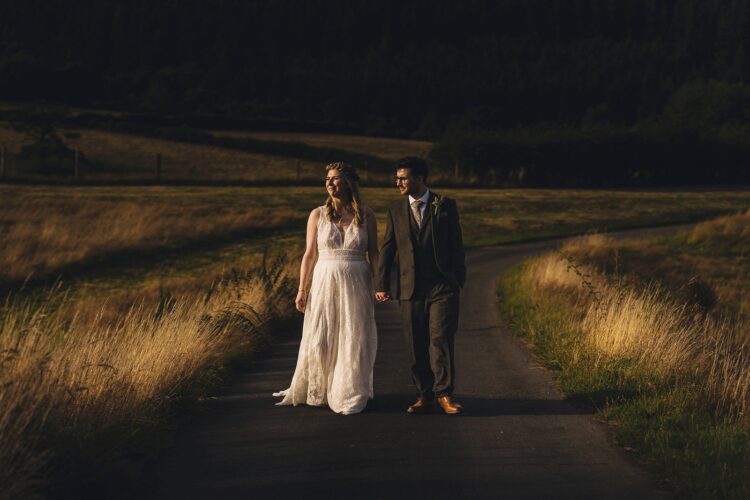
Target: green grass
[699,454]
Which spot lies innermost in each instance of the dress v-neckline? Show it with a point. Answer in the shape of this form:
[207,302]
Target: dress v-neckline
[342,234]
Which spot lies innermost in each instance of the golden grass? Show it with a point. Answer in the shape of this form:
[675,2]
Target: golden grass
[637,308]
[110,145]
[54,227]
[723,230]
[48,228]
[72,374]
[132,156]
[44,233]
[381,147]
[708,265]
[723,246]
[654,333]
[124,156]
[491,216]
[186,161]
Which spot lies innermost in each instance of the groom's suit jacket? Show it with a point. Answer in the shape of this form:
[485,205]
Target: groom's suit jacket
[396,267]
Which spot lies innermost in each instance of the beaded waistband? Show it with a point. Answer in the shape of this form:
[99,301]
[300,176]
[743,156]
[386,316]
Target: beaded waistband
[341,254]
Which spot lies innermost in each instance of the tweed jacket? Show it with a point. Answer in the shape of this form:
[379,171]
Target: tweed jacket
[396,274]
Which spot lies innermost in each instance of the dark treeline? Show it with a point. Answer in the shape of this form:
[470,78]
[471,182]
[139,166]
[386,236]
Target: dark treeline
[598,156]
[389,67]
[428,69]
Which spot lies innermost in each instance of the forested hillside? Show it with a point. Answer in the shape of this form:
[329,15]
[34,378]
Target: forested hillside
[397,68]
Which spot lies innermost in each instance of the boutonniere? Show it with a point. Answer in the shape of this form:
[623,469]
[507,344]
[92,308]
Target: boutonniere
[436,204]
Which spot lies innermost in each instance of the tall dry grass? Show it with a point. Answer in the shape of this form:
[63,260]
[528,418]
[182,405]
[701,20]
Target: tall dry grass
[708,264]
[647,327]
[70,376]
[45,234]
[722,230]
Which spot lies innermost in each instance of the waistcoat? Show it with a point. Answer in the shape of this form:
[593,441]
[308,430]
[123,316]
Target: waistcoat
[426,272]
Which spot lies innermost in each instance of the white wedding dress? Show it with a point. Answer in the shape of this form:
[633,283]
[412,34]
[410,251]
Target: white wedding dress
[339,336]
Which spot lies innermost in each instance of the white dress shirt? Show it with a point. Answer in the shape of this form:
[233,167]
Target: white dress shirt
[425,198]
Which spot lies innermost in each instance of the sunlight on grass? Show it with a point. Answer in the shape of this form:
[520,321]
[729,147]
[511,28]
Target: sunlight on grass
[635,333]
[71,375]
[49,228]
[111,155]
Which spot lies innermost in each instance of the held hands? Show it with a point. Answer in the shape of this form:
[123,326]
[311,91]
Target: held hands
[382,296]
[301,301]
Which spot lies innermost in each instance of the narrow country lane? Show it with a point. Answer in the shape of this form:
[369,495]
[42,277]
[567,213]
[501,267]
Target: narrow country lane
[519,438]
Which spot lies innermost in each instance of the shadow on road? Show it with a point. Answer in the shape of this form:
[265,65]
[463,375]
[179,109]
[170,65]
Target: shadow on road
[481,407]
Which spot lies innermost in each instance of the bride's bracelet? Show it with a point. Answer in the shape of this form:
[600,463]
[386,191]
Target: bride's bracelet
[302,290]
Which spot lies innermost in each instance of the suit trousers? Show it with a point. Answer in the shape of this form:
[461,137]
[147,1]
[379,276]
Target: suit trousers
[430,321]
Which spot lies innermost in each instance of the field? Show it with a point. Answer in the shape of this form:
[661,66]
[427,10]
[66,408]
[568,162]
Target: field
[51,230]
[109,155]
[207,272]
[656,335]
[381,147]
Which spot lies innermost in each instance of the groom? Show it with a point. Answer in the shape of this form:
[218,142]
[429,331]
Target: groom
[423,241]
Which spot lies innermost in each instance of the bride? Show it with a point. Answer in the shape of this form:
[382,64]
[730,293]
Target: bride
[339,337]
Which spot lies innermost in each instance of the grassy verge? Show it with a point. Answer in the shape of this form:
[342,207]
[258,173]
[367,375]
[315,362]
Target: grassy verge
[671,375]
[87,396]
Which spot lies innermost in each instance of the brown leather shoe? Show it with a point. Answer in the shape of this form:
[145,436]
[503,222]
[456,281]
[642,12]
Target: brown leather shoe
[449,406]
[423,404]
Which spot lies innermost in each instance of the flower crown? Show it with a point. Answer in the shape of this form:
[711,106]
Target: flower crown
[346,170]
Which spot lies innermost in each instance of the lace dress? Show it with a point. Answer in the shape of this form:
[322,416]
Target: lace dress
[339,337]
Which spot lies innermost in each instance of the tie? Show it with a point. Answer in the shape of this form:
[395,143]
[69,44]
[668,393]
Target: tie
[416,209]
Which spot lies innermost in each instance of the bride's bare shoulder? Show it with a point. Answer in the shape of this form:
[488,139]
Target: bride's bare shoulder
[315,214]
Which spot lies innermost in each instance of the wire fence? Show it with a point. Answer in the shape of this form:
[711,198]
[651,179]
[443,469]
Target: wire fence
[177,165]
[185,164]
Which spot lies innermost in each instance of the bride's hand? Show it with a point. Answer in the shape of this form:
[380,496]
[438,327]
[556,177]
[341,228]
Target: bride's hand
[301,301]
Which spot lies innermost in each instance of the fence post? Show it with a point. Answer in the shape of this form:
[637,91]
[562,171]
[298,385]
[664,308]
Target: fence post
[366,172]
[2,162]
[299,170]
[158,166]
[76,166]
[455,170]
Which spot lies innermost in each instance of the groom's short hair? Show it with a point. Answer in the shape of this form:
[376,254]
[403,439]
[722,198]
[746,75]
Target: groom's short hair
[417,166]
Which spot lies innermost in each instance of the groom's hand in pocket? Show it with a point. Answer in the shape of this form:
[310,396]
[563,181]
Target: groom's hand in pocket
[382,296]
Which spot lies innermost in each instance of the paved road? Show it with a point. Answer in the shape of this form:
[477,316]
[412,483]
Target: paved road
[520,439]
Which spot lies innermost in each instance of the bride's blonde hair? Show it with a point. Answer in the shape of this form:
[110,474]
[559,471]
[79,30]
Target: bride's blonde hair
[346,172]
